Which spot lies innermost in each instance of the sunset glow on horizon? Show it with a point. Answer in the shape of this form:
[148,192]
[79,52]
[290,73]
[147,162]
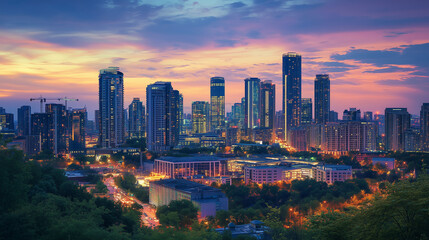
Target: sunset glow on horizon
[376,52]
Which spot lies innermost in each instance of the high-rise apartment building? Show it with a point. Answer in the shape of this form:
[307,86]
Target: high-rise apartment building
[333,116]
[397,122]
[136,119]
[268,104]
[306,111]
[367,116]
[291,91]
[252,92]
[217,103]
[162,122]
[200,117]
[352,114]
[424,126]
[7,122]
[236,114]
[111,107]
[322,98]
[24,121]
[78,122]
[42,126]
[181,123]
[60,120]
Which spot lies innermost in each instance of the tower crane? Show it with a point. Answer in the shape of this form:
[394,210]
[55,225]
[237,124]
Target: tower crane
[65,99]
[43,100]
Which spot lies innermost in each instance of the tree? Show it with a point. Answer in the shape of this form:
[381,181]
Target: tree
[103,159]
[100,187]
[179,214]
[402,213]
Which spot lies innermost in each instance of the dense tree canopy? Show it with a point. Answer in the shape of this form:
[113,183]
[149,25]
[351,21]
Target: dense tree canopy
[178,214]
[400,213]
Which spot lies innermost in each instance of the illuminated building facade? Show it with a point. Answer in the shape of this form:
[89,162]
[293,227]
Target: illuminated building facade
[207,199]
[78,133]
[291,91]
[181,167]
[24,121]
[136,119]
[7,122]
[268,104]
[322,98]
[397,122]
[60,118]
[162,123]
[200,117]
[424,126]
[217,103]
[252,94]
[332,173]
[111,107]
[306,111]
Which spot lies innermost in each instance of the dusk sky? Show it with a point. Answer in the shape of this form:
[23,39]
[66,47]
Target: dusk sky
[375,51]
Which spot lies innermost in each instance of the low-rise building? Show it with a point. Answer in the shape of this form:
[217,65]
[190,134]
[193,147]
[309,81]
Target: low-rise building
[297,172]
[272,174]
[207,199]
[210,180]
[182,167]
[263,174]
[332,173]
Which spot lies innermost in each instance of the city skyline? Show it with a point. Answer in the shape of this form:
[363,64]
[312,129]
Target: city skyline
[373,56]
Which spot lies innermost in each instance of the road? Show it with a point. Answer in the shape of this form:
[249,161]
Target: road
[148,216]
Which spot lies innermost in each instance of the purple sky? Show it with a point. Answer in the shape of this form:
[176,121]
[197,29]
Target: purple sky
[376,52]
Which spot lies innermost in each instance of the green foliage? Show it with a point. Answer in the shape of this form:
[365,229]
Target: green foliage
[13,183]
[178,214]
[128,182]
[100,187]
[418,161]
[41,203]
[73,167]
[400,214]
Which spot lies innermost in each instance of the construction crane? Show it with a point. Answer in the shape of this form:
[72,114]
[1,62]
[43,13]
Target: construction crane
[43,100]
[65,99]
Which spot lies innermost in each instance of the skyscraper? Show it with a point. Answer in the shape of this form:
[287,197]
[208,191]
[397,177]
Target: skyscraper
[175,117]
[200,117]
[252,92]
[97,121]
[181,123]
[24,121]
[306,111]
[7,122]
[424,126]
[60,123]
[236,114]
[161,116]
[352,114]
[136,119]
[367,116]
[217,103]
[42,126]
[322,98]
[111,107]
[291,91]
[333,116]
[397,121]
[268,107]
[78,133]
